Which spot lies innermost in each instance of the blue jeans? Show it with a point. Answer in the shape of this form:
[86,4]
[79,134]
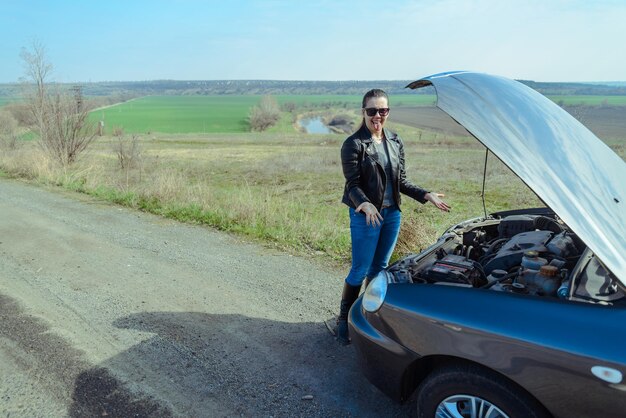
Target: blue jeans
[372,245]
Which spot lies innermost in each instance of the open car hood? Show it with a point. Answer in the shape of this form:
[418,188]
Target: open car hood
[566,165]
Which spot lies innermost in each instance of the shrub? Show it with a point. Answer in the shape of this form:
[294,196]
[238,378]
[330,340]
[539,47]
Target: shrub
[20,112]
[264,115]
[60,118]
[289,107]
[8,130]
[118,131]
[128,152]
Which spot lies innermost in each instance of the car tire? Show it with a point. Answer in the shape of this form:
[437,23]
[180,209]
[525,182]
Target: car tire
[450,391]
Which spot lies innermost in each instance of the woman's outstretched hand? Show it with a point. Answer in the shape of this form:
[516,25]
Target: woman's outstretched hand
[372,216]
[434,198]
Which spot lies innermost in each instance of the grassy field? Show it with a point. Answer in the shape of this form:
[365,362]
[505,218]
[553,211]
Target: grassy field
[228,114]
[284,189]
[178,114]
[215,114]
[5,100]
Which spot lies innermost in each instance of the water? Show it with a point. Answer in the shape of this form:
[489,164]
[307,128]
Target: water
[314,126]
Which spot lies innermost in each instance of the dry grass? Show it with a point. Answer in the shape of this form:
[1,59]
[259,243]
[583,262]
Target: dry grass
[28,162]
[284,189]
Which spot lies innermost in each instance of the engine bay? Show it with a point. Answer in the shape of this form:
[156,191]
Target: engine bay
[534,254]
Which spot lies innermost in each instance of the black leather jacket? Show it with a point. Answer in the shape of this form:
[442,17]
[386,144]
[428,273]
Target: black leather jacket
[365,175]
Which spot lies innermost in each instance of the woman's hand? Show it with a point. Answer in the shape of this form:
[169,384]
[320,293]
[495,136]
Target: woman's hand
[434,199]
[372,216]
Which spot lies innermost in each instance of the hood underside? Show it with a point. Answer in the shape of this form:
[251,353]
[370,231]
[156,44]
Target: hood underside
[566,165]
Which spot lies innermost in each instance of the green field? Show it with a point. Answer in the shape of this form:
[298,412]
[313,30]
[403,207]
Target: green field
[178,114]
[228,114]
[215,114]
[5,100]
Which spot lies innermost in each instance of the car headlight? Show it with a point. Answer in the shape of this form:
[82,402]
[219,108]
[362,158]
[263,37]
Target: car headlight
[375,293]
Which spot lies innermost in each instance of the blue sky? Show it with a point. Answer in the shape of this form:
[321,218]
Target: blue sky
[542,40]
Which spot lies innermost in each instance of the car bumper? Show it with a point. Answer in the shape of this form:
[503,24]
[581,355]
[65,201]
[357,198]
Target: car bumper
[383,361]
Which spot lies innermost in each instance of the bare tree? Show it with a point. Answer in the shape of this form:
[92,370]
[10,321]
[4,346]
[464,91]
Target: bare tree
[265,114]
[58,117]
[37,70]
[129,156]
[128,151]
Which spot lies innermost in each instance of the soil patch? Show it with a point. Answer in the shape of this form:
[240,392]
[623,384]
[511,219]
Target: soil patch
[607,122]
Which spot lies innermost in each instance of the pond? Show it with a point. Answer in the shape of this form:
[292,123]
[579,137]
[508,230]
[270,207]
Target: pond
[314,125]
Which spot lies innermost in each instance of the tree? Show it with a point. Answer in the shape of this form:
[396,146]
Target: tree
[59,118]
[265,114]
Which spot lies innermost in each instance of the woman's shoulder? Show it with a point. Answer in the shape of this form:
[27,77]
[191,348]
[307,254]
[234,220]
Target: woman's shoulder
[389,134]
[355,138]
[352,144]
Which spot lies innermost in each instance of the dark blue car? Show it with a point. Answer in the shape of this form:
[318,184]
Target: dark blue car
[519,313]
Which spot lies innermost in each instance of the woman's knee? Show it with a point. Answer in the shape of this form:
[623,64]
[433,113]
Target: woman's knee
[356,276]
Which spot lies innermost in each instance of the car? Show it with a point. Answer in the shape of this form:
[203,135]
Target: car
[519,313]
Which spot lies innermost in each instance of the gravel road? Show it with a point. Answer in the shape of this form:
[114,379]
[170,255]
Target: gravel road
[105,311]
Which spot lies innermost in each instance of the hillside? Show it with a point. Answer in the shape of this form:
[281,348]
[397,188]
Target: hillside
[244,87]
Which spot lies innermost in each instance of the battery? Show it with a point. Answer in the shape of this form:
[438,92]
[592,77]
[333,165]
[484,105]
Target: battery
[453,269]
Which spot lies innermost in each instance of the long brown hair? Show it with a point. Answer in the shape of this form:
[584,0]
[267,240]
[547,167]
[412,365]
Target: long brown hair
[369,95]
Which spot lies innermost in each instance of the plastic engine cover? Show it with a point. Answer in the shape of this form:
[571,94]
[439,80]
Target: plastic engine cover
[516,224]
[511,253]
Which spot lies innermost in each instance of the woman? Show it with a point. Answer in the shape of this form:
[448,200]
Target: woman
[373,165]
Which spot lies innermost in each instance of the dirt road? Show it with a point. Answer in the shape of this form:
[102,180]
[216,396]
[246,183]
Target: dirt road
[109,312]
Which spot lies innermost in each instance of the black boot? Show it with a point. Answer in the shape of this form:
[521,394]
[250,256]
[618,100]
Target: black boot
[349,295]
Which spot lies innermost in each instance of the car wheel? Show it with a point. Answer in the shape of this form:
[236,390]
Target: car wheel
[467,391]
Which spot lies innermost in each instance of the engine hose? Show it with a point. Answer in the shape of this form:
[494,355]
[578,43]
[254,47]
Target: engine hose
[543,222]
[501,279]
[479,267]
[494,244]
[486,258]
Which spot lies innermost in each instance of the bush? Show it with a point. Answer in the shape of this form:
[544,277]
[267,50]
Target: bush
[128,152]
[21,113]
[64,130]
[289,107]
[264,115]
[118,131]
[58,117]
[8,130]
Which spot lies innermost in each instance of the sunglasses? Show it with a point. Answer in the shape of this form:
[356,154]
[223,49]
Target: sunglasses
[371,111]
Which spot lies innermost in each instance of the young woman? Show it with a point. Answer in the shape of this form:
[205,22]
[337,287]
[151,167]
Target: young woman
[373,165]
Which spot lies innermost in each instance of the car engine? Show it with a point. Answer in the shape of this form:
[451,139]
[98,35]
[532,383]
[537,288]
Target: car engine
[527,254]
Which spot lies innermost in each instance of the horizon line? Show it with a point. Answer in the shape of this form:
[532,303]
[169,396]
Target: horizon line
[287,81]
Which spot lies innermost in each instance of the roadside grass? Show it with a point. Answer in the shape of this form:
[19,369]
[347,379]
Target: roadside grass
[283,189]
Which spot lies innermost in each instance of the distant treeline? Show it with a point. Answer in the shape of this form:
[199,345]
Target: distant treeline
[125,89]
